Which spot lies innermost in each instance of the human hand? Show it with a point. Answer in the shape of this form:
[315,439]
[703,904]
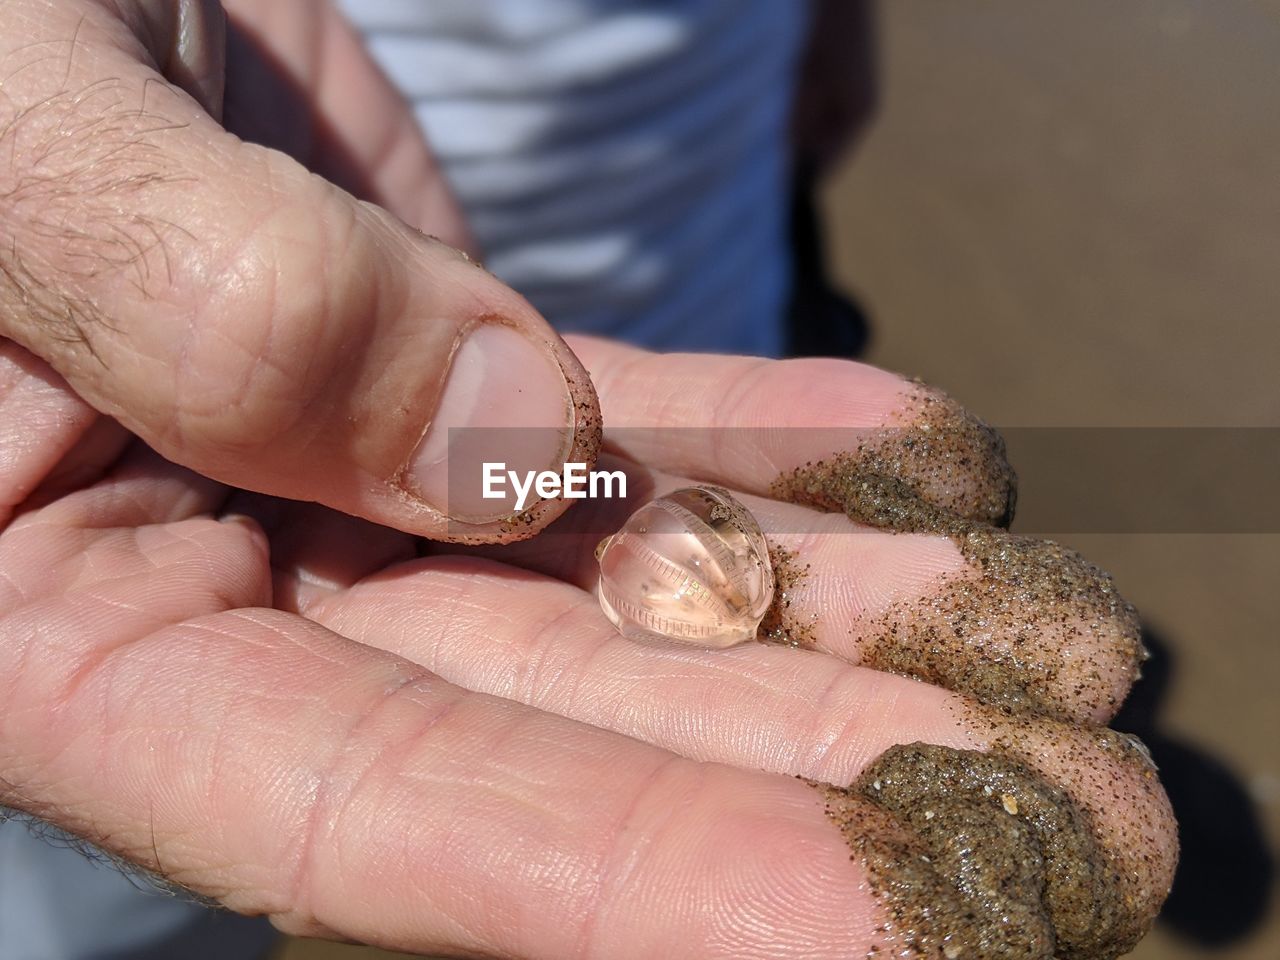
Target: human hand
[243,316]
[249,715]
[309,723]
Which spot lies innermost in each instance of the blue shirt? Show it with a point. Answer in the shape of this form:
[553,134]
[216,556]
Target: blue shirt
[623,163]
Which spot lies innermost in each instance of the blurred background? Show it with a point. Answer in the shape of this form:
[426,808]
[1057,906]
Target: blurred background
[1068,214]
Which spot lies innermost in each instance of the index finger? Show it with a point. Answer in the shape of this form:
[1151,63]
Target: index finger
[801,429]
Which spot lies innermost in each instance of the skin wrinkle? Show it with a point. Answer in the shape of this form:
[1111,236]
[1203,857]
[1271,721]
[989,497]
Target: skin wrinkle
[631,852]
[450,623]
[310,398]
[260,365]
[525,689]
[818,748]
[317,825]
[513,728]
[301,406]
[12,592]
[230,275]
[277,412]
[745,386]
[874,706]
[94,661]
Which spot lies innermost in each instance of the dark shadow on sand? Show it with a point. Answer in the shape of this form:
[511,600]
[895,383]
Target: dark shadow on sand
[1223,884]
[822,320]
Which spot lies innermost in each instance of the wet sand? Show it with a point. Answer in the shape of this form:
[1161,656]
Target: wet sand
[998,633]
[976,854]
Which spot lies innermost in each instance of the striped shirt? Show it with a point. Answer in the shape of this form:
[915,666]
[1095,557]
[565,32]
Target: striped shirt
[623,163]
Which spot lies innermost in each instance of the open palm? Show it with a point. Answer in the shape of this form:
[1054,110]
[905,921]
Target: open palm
[310,723]
[371,736]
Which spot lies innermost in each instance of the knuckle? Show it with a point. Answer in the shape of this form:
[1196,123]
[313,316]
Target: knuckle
[278,328]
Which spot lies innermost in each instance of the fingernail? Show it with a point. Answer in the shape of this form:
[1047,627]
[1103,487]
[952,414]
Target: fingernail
[505,400]
[1140,747]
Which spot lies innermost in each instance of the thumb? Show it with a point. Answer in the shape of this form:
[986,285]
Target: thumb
[255,323]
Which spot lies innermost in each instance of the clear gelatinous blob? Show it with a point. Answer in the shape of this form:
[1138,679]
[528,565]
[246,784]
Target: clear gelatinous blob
[691,567]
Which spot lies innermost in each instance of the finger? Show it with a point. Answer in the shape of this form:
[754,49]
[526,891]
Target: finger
[260,759]
[988,617]
[749,423]
[766,708]
[143,489]
[41,422]
[316,551]
[84,568]
[249,320]
[303,82]
[98,449]
[752,706]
